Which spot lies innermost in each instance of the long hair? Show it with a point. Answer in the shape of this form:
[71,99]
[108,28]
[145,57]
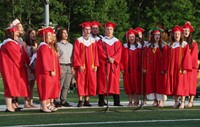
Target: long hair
[189,40]
[27,39]
[59,34]
[9,35]
[172,40]
[152,41]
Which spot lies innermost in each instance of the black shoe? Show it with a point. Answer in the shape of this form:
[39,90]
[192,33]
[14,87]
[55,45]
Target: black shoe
[18,110]
[66,104]
[117,104]
[87,103]
[80,104]
[8,110]
[57,104]
[101,104]
[44,111]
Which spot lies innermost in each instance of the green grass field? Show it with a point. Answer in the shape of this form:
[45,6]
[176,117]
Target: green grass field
[97,117]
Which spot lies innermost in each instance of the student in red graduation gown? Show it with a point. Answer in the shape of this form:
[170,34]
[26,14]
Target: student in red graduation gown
[139,39]
[56,78]
[188,29]
[179,66]
[85,64]
[13,68]
[155,66]
[45,70]
[95,30]
[109,49]
[131,67]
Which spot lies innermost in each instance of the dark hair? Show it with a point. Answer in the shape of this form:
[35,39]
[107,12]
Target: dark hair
[172,40]
[28,40]
[59,34]
[152,41]
[9,35]
[189,40]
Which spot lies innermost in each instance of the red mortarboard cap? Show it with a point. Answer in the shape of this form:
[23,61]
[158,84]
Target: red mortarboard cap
[85,24]
[189,26]
[11,29]
[110,24]
[42,32]
[138,29]
[14,22]
[95,23]
[131,31]
[177,28]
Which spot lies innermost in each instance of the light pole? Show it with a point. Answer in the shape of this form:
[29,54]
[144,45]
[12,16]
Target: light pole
[46,12]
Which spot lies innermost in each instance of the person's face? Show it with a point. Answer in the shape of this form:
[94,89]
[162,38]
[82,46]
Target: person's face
[177,35]
[186,32]
[21,29]
[53,38]
[157,36]
[131,38]
[109,31]
[95,30]
[32,35]
[86,31]
[140,34]
[48,37]
[64,35]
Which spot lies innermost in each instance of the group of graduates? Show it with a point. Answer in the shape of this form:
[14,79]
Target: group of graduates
[150,68]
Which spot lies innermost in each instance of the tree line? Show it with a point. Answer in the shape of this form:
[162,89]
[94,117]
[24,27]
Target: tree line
[125,13]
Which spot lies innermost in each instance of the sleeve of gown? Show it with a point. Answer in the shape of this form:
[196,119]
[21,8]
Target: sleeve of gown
[118,53]
[186,62]
[15,54]
[46,58]
[77,62]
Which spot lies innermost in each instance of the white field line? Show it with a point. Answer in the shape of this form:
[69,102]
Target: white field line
[105,123]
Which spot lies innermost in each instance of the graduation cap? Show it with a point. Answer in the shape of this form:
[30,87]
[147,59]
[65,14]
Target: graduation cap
[12,29]
[139,29]
[177,28]
[110,24]
[188,25]
[156,30]
[131,31]
[95,23]
[43,31]
[85,24]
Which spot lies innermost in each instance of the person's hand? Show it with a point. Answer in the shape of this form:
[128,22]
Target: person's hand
[95,69]
[53,73]
[111,60]
[144,71]
[163,72]
[81,68]
[73,71]
[184,71]
[61,71]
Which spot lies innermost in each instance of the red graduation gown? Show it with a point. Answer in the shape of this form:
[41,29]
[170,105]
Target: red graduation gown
[86,55]
[155,62]
[131,64]
[46,84]
[193,74]
[56,78]
[112,48]
[179,59]
[13,65]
